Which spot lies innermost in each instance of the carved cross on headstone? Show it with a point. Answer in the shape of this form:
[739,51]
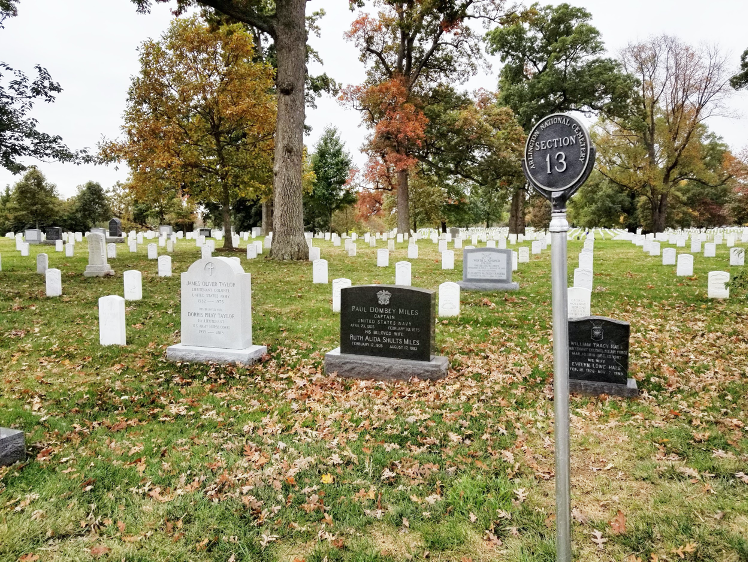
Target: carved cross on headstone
[209,267]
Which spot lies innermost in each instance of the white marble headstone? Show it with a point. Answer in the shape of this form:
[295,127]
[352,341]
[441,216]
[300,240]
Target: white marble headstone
[710,250]
[449,299]
[524,254]
[717,282]
[216,305]
[352,250]
[668,256]
[579,302]
[402,273]
[583,278]
[685,265]
[133,281]
[152,251]
[53,282]
[251,251]
[586,261]
[59,245]
[69,250]
[319,271]
[412,251]
[383,257]
[536,247]
[112,329]
[337,285]
[314,254]
[205,252]
[164,266]
[654,249]
[737,256]
[42,263]
[448,259]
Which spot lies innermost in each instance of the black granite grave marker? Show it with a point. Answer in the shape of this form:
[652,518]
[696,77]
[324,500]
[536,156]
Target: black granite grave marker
[599,354]
[204,232]
[387,321]
[115,228]
[54,233]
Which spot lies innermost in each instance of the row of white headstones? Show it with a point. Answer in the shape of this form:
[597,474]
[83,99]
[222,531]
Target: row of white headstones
[580,294]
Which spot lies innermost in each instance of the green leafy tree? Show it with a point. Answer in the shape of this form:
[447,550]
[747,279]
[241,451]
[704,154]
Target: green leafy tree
[284,21]
[91,205]
[663,142]
[600,203]
[200,119]
[553,62]
[332,169]
[740,80]
[34,202]
[19,136]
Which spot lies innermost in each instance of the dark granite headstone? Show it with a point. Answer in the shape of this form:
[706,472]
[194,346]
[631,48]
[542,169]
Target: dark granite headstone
[387,321]
[115,228]
[54,233]
[12,446]
[599,356]
[386,333]
[204,232]
[487,269]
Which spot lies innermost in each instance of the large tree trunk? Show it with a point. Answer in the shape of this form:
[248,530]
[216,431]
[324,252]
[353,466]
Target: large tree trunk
[228,241]
[517,212]
[659,213]
[288,212]
[267,216]
[403,210]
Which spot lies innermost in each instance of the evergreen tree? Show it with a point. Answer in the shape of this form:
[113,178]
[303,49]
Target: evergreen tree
[332,166]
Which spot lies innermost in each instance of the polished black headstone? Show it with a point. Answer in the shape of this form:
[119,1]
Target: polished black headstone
[387,321]
[204,232]
[115,228]
[54,233]
[599,349]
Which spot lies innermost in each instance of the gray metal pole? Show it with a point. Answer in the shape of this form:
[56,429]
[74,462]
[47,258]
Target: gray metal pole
[559,227]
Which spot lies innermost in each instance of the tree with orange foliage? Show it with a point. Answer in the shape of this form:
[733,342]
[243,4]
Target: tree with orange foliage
[200,118]
[410,47]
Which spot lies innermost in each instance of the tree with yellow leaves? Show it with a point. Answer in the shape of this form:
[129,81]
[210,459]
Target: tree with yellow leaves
[200,118]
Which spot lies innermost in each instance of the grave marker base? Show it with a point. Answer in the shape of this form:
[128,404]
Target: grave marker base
[594,388]
[474,286]
[195,354]
[98,271]
[115,239]
[12,446]
[372,367]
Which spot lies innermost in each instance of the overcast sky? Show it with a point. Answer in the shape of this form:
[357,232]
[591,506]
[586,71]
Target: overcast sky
[89,47]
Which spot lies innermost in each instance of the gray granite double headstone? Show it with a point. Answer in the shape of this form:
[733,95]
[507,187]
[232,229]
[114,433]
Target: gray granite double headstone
[487,269]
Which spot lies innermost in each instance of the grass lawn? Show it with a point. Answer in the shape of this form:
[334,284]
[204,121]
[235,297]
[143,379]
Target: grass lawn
[135,458]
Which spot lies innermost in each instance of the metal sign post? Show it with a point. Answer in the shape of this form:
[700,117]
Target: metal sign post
[559,158]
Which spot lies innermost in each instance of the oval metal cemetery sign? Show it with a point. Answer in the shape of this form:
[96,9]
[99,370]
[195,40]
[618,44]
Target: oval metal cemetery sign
[557,152]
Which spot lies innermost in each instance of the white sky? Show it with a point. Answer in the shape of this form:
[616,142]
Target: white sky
[89,47]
